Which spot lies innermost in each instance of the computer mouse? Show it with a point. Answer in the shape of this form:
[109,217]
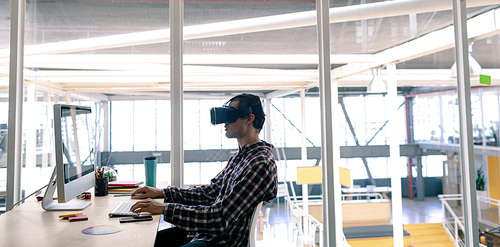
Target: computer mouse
[137,196]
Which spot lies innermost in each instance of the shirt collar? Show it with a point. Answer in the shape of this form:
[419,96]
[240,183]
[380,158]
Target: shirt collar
[251,146]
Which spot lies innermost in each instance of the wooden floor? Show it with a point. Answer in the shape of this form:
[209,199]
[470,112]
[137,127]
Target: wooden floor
[281,229]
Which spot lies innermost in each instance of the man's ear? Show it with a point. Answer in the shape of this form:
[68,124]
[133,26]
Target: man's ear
[251,118]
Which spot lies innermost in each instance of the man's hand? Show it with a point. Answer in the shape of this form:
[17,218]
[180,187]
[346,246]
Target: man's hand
[148,205]
[148,192]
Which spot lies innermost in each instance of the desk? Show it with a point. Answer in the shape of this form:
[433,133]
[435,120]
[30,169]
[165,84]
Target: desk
[358,212]
[30,225]
[382,189]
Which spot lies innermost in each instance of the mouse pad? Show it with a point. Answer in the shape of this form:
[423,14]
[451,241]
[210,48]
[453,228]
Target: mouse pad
[101,230]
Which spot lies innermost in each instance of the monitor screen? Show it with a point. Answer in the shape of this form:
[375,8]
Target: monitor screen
[74,171]
[76,142]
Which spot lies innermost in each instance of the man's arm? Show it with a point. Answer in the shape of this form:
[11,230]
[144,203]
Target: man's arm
[252,187]
[203,195]
[152,206]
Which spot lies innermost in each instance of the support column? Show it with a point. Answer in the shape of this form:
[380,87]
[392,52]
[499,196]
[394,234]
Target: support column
[441,119]
[106,126]
[30,124]
[466,140]
[176,92]
[268,120]
[330,150]
[67,97]
[397,201]
[409,139]
[420,180]
[45,131]
[305,187]
[55,100]
[15,127]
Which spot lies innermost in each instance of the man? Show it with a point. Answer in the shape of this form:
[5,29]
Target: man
[219,214]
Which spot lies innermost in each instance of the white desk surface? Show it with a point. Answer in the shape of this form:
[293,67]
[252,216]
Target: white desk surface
[30,225]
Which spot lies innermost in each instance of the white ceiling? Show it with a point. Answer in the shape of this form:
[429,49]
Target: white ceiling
[258,53]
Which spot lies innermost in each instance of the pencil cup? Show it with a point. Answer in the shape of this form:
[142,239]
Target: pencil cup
[101,186]
[150,169]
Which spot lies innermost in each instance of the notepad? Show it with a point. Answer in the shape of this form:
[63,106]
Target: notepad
[124,184]
[78,218]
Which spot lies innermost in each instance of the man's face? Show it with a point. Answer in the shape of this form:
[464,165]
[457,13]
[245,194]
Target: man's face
[236,129]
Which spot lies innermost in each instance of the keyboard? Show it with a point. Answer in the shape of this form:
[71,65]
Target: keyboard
[123,209]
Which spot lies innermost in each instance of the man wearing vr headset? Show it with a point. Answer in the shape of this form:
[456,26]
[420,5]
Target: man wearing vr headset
[219,214]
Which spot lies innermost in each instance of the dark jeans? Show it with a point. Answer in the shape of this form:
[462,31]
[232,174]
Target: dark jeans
[175,237]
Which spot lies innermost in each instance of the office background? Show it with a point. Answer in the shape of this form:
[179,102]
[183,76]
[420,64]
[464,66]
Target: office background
[114,56]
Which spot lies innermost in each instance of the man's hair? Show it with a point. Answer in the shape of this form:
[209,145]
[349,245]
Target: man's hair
[245,100]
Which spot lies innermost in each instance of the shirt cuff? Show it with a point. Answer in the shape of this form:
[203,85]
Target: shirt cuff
[168,213]
[167,195]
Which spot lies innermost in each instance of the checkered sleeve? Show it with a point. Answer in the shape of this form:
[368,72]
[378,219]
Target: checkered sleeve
[255,183]
[202,195]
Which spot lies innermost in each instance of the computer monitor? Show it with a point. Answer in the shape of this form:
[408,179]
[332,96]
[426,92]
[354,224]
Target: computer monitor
[74,170]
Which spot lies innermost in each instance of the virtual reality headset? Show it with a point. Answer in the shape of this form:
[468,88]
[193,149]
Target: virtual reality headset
[229,114]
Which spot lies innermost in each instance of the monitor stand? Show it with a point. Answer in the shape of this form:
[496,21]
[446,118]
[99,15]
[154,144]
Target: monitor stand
[50,205]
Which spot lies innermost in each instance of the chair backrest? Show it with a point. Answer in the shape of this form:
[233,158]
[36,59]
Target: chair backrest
[253,225]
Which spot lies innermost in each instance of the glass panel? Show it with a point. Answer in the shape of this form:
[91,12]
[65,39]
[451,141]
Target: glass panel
[268,57]
[90,59]
[144,134]
[122,122]
[210,136]
[477,118]
[163,125]
[491,118]
[4,105]
[392,39]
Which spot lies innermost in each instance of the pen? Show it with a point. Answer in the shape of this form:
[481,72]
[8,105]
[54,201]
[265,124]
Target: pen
[122,195]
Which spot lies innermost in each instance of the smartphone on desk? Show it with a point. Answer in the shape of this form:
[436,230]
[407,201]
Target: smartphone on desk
[135,219]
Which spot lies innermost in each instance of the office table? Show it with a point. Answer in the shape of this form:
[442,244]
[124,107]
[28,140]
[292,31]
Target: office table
[382,189]
[30,225]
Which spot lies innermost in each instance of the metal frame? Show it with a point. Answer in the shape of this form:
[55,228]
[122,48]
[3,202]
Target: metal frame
[176,9]
[328,95]
[395,154]
[15,130]
[466,138]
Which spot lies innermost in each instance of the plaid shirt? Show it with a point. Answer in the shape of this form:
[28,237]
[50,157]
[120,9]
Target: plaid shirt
[221,212]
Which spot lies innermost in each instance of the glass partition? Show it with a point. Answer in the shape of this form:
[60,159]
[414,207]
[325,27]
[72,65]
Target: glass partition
[374,36]
[81,53]
[4,97]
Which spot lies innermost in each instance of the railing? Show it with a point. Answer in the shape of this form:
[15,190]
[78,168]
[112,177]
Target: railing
[319,198]
[490,202]
[456,224]
[452,224]
[305,221]
[346,197]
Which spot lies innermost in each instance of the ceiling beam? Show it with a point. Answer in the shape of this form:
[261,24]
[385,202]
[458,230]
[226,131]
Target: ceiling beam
[481,26]
[251,25]
[93,61]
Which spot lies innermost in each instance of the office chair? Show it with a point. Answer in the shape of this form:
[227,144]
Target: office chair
[266,220]
[253,225]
